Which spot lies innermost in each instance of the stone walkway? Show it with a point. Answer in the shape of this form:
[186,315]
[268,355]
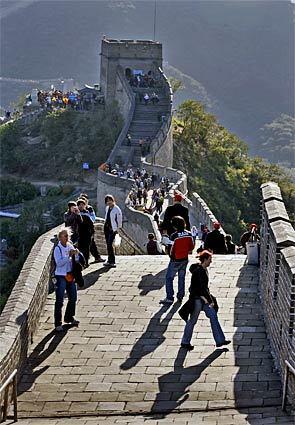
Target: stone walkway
[125,357]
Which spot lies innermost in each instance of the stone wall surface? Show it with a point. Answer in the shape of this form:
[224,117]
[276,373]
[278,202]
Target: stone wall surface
[21,314]
[20,317]
[277,282]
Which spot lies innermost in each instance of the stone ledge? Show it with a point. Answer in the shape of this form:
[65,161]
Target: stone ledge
[271,191]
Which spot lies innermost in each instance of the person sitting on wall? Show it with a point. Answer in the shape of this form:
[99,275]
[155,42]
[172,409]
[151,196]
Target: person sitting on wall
[251,235]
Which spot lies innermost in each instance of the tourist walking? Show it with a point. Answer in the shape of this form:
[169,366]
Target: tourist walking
[177,209]
[201,299]
[182,245]
[63,257]
[215,241]
[113,222]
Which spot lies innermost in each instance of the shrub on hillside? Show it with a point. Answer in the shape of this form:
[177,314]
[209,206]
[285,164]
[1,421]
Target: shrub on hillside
[69,138]
[15,191]
[221,171]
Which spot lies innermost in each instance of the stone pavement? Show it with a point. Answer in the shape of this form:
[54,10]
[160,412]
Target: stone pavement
[255,416]
[124,358]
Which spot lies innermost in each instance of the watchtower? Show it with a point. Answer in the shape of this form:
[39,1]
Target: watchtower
[133,55]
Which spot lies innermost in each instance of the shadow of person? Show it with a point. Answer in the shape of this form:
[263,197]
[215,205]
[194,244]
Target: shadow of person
[152,338]
[178,381]
[150,282]
[38,356]
[92,277]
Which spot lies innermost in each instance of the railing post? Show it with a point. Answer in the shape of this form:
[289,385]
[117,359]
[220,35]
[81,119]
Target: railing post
[5,405]
[14,396]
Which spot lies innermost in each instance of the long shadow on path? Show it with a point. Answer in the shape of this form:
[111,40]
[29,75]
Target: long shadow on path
[152,338]
[92,277]
[151,282]
[174,386]
[37,357]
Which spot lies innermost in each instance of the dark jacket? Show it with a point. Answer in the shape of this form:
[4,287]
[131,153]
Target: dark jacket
[73,221]
[198,288]
[173,211]
[78,266]
[86,229]
[216,242]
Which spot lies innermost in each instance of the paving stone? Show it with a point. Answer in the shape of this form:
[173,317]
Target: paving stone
[125,355]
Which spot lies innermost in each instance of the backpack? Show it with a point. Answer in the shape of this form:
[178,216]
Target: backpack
[52,266]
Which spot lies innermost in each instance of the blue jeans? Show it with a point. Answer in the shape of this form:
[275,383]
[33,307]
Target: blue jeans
[61,286]
[190,324]
[218,334]
[175,267]
[110,236]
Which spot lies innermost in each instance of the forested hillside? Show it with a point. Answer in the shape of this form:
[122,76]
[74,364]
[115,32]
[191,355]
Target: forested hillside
[56,144]
[240,53]
[220,170]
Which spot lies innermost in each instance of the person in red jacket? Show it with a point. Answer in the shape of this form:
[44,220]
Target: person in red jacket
[182,244]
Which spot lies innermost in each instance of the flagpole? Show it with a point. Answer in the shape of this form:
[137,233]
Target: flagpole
[155,16]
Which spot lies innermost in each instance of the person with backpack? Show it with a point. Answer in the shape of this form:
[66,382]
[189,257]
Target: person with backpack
[182,245]
[63,258]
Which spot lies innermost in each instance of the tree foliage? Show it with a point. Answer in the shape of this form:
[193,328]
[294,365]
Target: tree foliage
[14,191]
[67,139]
[176,84]
[221,171]
[278,140]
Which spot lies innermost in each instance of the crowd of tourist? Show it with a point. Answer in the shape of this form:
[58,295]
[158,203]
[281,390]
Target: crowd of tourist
[73,250]
[142,80]
[72,99]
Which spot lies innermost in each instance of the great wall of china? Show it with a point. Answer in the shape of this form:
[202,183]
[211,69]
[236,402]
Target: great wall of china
[21,316]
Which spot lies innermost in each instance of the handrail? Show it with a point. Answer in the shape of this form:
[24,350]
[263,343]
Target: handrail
[11,379]
[124,131]
[163,130]
[288,368]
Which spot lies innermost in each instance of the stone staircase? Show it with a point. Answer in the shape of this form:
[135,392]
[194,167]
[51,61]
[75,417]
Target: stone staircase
[147,119]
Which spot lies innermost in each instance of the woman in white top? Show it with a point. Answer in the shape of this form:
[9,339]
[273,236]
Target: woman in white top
[113,222]
[63,253]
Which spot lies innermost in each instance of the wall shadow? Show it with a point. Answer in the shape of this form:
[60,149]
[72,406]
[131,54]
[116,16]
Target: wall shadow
[151,282]
[153,336]
[37,357]
[183,377]
[257,386]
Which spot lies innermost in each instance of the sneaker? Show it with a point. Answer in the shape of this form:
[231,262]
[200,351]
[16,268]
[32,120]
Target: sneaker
[226,342]
[188,347]
[179,299]
[59,328]
[98,260]
[107,264]
[73,322]
[166,301]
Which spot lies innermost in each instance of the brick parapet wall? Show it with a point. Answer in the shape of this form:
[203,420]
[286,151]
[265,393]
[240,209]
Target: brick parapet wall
[21,314]
[277,286]
[20,317]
